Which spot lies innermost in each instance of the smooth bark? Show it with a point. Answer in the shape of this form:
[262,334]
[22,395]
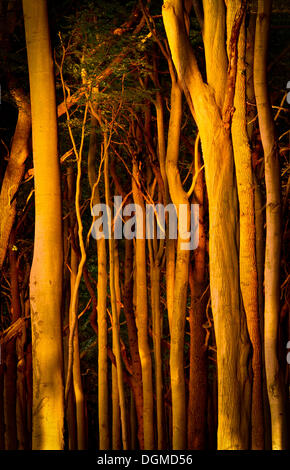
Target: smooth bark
[46,271]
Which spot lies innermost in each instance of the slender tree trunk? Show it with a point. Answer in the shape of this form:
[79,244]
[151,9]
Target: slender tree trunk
[259,209]
[137,386]
[20,392]
[10,375]
[142,318]
[10,395]
[178,196]
[15,170]
[273,229]
[77,379]
[198,376]
[29,393]
[133,423]
[116,423]
[2,422]
[69,225]
[156,333]
[46,271]
[247,249]
[103,403]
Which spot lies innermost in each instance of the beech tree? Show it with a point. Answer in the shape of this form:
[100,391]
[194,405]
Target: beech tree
[46,270]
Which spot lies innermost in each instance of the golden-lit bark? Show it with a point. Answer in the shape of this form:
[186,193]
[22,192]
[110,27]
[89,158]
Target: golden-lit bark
[157,335]
[198,374]
[143,342]
[214,46]
[230,328]
[273,228]
[69,242]
[46,271]
[75,400]
[177,324]
[142,314]
[247,248]
[15,169]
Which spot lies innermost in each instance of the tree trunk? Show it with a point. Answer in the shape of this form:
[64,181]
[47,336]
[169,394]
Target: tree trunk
[103,410]
[77,379]
[46,271]
[142,317]
[116,423]
[137,387]
[115,319]
[10,373]
[273,229]
[247,249]
[177,323]
[230,328]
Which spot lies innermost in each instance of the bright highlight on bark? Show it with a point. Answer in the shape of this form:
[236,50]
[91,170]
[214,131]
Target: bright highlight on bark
[46,270]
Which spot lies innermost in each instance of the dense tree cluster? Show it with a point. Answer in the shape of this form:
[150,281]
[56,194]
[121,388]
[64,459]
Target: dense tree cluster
[133,342]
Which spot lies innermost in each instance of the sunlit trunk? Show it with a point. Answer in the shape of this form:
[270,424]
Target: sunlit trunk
[46,271]
[198,375]
[230,328]
[103,411]
[142,316]
[247,248]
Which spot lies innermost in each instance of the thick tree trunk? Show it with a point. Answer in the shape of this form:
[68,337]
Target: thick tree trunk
[103,410]
[230,328]
[46,271]
[198,375]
